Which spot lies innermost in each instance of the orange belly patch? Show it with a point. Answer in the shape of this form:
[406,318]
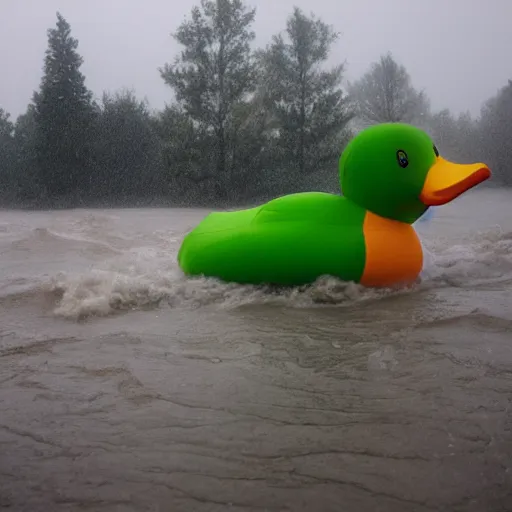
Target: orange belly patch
[393,252]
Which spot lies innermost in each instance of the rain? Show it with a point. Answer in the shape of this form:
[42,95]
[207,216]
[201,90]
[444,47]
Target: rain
[256,255]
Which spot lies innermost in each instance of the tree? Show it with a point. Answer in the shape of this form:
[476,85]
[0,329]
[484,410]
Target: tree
[495,130]
[384,94]
[28,182]
[6,126]
[250,150]
[185,153]
[63,116]
[306,102]
[7,156]
[468,137]
[128,150]
[214,73]
[456,138]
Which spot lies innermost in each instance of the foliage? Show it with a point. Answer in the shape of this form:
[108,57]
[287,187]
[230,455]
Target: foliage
[384,94]
[495,130]
[245,125]
[214,75]
[7,155]
[456,138]
[64,117]
[128,157]
[305,102]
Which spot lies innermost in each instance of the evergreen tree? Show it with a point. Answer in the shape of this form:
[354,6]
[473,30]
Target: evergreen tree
[250,149]
[384,94]
[7,157]
[28,180]
[128,150]
[186,146]
[64,117]
[214,74]
[6,126]
[306,103]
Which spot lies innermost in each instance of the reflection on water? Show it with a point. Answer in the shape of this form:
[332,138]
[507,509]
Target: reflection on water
[190,395]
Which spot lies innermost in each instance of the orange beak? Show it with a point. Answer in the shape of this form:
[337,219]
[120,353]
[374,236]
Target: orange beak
[445,181]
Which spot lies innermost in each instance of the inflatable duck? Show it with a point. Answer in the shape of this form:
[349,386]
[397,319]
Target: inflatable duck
[389,173]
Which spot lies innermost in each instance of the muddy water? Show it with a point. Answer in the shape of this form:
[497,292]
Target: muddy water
[126,387]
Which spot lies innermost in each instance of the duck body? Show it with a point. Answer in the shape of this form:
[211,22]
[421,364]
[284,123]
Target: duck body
[295,239]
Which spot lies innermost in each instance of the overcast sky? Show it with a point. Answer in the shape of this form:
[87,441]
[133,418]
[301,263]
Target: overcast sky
[459,51]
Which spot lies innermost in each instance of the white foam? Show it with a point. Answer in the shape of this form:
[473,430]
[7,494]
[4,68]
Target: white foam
[149,276]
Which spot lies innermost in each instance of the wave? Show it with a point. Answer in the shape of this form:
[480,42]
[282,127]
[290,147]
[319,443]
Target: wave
[483,258]
[44,240]
[148,277]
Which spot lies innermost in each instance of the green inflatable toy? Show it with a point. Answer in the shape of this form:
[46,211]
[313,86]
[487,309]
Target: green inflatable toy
[389,173]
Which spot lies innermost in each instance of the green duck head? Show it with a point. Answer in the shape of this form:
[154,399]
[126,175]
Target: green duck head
[394,170]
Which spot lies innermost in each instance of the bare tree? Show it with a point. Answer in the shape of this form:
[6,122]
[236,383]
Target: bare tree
[385,94]
[457,138]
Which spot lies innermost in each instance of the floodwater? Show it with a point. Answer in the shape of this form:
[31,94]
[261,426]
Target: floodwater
[126,387]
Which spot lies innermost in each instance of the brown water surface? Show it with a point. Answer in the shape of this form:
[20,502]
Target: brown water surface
[126,387]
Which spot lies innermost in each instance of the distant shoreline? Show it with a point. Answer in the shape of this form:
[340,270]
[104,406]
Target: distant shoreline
[157,202]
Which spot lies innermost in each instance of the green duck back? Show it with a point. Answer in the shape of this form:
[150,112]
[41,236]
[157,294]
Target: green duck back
[291,240]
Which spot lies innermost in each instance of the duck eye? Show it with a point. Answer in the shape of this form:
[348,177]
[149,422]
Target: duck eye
[436,151]
[401,156]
